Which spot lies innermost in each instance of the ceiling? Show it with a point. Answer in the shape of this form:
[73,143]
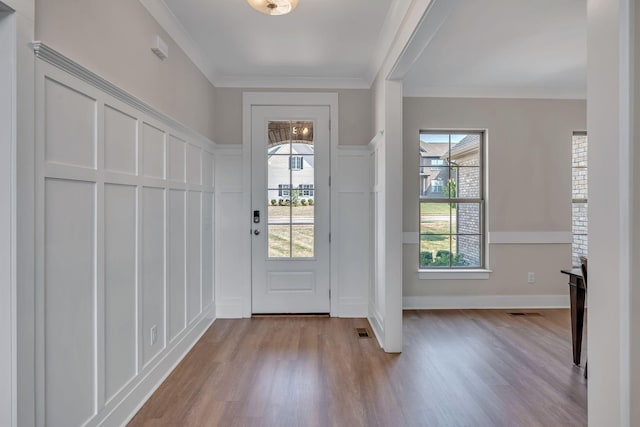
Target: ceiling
[504,48]
[489,48]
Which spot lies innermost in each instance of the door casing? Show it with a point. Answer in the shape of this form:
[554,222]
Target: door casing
[251,99]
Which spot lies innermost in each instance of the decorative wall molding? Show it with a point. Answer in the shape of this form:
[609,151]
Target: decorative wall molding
[122,413]
[138,194]
[485,301]
[529,237]
[59,60]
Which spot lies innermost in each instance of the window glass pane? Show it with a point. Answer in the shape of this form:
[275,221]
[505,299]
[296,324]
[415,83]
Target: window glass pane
[579,248]
[434,174]
[579,183]
[435,218]
[579,194]
[466,251]
[465,182]
[435,250]
[579,151]
[451,234]
[465,149]
[579,215]
[279,241]
[302,241]
[468,219]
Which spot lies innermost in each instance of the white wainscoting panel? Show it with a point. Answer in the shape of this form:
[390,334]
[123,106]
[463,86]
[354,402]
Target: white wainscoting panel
[153,149]
[194,164]
[125,265]
[177,159]
[194,284]
[70,131]
[69,295]
[232,245]
[176,268]
[120,217]
[120,141]
[207,250]
[153,271]
[351,231]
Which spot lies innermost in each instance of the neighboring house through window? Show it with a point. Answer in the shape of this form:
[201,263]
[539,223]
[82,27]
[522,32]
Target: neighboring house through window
[451,217]
[579,186]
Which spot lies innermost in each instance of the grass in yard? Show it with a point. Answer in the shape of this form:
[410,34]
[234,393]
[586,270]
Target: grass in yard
[437,209]
[296,211]
[300,247]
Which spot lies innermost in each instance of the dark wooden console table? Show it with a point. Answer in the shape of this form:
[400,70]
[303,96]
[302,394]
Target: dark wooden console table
[577,293]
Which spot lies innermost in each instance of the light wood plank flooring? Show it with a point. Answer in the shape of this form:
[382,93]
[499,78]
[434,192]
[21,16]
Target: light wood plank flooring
[458,368]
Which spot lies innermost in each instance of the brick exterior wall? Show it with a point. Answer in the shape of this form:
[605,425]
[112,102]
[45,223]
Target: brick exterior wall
[468,214]
[579,191]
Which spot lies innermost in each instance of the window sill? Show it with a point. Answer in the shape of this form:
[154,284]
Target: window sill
[480,274]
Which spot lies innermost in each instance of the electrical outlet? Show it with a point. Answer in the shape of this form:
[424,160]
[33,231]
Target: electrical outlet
[531,277]
[153,333]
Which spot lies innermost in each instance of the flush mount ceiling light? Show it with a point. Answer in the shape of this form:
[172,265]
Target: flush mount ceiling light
[273,7]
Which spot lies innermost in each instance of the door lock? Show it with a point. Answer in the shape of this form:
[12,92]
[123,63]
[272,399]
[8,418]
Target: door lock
[256,232]
[256,217]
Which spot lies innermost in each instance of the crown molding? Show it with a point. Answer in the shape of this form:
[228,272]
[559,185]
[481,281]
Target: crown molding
[392,23]
[292,82]
[511,93]
[159,10]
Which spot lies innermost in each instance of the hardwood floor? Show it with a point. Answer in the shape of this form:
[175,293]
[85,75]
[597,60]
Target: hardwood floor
[458,368]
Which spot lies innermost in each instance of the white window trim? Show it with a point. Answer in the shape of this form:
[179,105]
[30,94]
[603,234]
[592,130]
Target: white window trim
[452,273]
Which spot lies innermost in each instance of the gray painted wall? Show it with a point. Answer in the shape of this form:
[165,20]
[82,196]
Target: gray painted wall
[529,187]
[355,108]
[113,39]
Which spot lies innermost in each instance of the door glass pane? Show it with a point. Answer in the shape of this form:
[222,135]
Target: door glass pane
[279,241]
[291,188]
[302,241]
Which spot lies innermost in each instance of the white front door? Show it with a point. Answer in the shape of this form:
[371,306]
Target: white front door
[290,209]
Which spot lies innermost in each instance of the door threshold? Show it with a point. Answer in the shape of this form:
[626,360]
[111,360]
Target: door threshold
[285,315]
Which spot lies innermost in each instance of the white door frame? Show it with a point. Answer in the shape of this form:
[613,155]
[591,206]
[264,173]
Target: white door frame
[249,99]
[8,287]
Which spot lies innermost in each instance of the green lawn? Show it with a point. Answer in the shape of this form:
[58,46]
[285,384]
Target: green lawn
[436,209]
[301,244]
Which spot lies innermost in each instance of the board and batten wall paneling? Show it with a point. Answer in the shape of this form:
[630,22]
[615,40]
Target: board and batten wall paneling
[125,215]
[233,276]
[351,222]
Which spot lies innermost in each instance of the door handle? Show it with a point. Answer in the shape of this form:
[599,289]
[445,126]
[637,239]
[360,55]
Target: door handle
[256,232]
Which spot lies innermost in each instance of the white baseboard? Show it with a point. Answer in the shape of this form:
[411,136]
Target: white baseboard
[124,411]
[376,322]
[230,308]
[485,301]
[353,307]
